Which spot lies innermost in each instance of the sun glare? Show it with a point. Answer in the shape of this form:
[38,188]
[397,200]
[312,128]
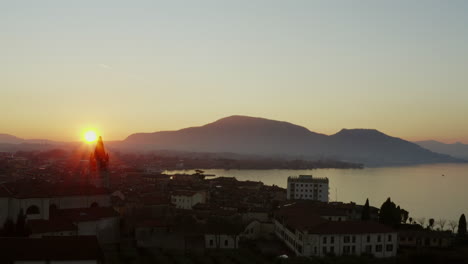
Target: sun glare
[90,136]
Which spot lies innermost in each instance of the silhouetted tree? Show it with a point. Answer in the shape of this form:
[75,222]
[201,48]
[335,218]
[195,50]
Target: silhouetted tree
[453,225]
[365,215]
[431,223]
[390,214]
[441,223]
[462,226]
[410,220]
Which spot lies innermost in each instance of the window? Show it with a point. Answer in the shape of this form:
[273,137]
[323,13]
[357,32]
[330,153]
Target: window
[378,248]
[339,219]
[332,249]
[211,242]
[389,238]
[353,249]
[369,249]
[315,250]
[345,250]
[332,240]
[324,250]
[389,247]
[354,239]
[32,210]
[346,239]
[226,242]
[368,239]
[379,238]
[324,240]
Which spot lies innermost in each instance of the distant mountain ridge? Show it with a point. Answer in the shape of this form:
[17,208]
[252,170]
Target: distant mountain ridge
[252,135]
[458,150]
[245,135]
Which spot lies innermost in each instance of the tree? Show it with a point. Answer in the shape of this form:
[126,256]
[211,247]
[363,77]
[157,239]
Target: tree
[390,214]
[365,215]
[431,223]
[462,226]
[410,220]
[441,223]
[453,225]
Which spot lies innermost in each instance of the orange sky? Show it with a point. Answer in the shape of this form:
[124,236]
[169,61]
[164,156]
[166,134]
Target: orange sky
[396,66]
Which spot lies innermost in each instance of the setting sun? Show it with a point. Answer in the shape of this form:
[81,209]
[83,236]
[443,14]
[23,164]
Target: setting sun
[90,136]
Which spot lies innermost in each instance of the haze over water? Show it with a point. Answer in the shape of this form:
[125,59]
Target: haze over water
[421,189]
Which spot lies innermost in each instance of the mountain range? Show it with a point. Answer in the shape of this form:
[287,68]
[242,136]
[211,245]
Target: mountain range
[250,135]
[258,136]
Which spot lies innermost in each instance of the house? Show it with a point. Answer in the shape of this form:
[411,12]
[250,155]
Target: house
[420,238]
[186,199]
[66,250]
[102,222]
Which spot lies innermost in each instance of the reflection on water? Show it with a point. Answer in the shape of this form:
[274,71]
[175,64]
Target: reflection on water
[431,191]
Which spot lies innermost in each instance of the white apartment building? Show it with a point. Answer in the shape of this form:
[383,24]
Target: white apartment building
[340,238]
[306,187]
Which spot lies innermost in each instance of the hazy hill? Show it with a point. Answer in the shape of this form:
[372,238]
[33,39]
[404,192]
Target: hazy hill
[248,135]
[9,139]
[458,149]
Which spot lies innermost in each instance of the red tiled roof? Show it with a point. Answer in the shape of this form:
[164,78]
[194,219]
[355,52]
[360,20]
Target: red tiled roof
[50,248]
[155,200]
[24,189]
[84,214]
[184,193]
[153,223]
[350,227]
[39,226]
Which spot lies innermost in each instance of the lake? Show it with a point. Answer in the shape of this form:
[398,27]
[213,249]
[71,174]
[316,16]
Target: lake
[422,190]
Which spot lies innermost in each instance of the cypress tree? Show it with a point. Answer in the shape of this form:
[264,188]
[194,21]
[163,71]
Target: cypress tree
[365,215]
[462,226]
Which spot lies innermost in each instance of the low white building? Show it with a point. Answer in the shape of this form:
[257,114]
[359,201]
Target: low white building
[187,199]
[309,234]
[306,187]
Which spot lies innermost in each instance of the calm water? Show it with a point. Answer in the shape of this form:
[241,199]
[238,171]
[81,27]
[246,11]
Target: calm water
[422,190]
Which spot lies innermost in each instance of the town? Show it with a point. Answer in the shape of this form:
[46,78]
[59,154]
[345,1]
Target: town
[93,207]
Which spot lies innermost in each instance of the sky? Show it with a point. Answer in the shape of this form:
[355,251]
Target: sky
[122,67]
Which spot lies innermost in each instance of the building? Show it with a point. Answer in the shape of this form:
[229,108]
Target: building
[308,233]
[306,187]
[36,198]
[421,238]
[187,199]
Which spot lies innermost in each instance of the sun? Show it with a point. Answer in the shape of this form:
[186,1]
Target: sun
[90,136]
